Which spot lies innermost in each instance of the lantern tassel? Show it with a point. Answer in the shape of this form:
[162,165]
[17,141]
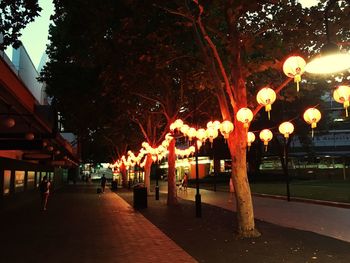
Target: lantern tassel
[346,111]
[265,148]
[312,133]
[297,79]
[268,114]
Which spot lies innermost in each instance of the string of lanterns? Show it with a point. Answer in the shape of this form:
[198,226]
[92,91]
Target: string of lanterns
[293,67]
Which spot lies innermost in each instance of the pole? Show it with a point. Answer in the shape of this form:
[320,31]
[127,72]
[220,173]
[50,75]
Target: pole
[129,182]
[157,186]
[138,173]
[285,156]
[214,171]
[198,196]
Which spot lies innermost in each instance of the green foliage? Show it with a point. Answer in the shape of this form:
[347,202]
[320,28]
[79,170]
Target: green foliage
[14,16]
[146,62]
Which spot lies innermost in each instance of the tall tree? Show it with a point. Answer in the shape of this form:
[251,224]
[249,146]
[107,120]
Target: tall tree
[14,16]
[244,44]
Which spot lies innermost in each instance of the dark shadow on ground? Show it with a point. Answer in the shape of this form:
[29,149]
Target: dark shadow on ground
[211,238]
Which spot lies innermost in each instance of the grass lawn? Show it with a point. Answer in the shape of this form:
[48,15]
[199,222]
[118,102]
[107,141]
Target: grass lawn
[328,190]
[338,191]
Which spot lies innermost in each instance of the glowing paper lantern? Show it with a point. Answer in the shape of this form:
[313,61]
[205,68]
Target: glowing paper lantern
[168,137]
[199,144]
[209,124]
[214,124]
[266,96]
[312,116]
[144,145]
[286,128]
[245,116]
[192,149]
[191,133]
[294,67]
[29,136]
[211,133]
[201,135]
[226,128]
[9,122]
[266,136]
[342,95]
[176,124]
[250,138]
[165,144]
[179,123]
[172,127]
[184,128]
[154,158]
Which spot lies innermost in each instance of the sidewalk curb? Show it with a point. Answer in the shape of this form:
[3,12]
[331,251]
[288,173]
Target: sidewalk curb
[304,200]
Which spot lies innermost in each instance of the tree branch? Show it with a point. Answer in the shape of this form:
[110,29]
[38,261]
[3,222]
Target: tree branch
[156,101]
[216,55]
[197,107]
[141,128]
[171,11]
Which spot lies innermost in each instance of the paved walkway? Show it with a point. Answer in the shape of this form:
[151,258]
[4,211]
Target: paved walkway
[325,220]
[82,226]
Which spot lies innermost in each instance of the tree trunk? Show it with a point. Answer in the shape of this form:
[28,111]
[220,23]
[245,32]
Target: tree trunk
[147,167]
[172,190]
[245,213]
[124,176]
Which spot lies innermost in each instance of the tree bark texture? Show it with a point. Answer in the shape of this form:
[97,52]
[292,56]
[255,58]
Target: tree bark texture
[172,190]
[124,176]
[244,204]
[147,167]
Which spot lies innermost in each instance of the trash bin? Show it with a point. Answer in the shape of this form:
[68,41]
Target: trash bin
[140,197]
[114,186]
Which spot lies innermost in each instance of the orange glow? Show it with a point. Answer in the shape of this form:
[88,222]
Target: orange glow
[250,138]
[286,128]
[294,67]
[342,95]
[266,96]
[266,136]
[244,115]
[312,116]
[191,133]
[226,128]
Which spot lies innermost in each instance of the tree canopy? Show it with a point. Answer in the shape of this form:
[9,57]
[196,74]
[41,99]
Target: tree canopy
[104,55]
[14,16]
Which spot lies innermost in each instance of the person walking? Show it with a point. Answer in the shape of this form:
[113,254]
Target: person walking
[44,192]
[103,183]
[185,182]
[232,189]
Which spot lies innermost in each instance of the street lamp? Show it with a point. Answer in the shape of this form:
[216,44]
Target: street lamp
[157,185]
[198,196]
[286,128]
[331,59]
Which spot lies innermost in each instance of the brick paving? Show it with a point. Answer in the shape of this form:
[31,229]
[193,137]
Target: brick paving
[83,226]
